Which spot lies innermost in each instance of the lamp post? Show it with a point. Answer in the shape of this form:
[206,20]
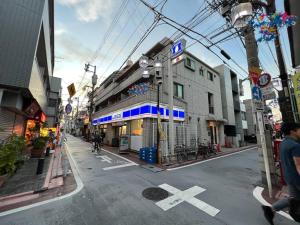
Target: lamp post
[157,65]
[94,82]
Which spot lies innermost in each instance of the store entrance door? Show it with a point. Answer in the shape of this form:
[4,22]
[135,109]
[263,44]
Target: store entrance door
[211,128]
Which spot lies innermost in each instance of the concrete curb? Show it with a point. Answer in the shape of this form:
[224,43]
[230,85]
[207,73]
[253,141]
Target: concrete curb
[257,193]
[16,195]
[48,177]
[213,158]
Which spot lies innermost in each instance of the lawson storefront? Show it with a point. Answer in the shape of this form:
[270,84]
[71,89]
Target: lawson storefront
[137,122]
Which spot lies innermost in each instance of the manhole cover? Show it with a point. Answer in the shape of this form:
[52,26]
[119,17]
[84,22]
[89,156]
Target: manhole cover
[155,194]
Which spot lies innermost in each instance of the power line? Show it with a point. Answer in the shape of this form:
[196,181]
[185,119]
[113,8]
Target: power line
[167,19]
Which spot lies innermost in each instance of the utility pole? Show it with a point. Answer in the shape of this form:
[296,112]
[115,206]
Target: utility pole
[171,120]
[94,82]
[253,62]
[284,95]
[231,10]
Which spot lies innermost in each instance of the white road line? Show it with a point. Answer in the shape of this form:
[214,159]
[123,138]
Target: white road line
[119,166]
[186,196]
[257,193]
[128,160]
[104,158]
[78,189]
[204,161]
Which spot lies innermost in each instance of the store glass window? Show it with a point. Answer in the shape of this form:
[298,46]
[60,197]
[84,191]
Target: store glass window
[137,127]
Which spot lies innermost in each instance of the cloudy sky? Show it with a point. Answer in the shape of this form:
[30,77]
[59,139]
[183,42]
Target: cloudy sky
[81,36]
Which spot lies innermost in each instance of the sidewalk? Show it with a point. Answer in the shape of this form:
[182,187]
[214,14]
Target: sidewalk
[25,187]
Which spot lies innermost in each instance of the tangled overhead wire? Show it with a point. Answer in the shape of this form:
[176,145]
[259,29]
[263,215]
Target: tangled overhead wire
[268,24]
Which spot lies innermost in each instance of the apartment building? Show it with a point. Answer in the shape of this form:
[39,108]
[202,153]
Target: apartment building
[26,62]
[233,109]
[197,101]
[54,102]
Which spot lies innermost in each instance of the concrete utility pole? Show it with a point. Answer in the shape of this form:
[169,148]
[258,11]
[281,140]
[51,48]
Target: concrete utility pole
[284,95]
[253,61]
[171,120]
[94,82]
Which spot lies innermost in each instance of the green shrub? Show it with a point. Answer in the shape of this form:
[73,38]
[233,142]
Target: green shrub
[39,143]
[11,153]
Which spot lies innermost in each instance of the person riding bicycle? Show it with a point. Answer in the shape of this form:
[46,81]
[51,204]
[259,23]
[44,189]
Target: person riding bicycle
[97,141]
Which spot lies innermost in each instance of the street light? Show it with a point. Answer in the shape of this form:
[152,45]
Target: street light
[146,74]
[157,64]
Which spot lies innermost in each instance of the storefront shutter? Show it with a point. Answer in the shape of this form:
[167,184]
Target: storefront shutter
[6,123]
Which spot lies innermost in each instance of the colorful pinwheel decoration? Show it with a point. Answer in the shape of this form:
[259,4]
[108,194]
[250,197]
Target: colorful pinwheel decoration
[267,24]
[138,89]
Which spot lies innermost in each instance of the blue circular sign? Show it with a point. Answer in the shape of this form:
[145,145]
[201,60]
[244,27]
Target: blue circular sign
[68,108]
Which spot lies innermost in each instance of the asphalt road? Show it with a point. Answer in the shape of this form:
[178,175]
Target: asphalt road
[112,194]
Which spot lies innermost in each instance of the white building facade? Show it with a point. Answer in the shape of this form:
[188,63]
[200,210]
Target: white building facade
[197,102]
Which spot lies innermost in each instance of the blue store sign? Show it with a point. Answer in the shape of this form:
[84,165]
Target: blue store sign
[178,48]
[145,110]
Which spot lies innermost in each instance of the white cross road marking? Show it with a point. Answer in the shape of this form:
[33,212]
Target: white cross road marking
[120,166]
[104,158]
[187,196]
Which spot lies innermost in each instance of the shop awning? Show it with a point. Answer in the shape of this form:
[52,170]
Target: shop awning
[212,118]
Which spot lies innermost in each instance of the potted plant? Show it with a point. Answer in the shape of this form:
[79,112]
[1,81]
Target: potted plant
[39,145]
[10,156]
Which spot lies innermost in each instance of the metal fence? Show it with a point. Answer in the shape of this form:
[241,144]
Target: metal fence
[185,135]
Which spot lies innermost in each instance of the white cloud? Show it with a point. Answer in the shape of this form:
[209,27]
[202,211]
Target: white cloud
[71,49]
[59,31]
[90,10]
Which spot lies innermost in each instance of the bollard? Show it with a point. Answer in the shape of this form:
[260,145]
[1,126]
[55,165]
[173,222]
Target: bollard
[40,166]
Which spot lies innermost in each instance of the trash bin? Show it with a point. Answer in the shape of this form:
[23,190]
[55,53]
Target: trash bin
[40,166]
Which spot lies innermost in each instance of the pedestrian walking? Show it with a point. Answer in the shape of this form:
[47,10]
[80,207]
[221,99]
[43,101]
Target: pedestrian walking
[290,161]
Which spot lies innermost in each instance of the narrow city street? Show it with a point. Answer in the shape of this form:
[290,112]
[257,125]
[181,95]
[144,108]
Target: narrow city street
[214,192]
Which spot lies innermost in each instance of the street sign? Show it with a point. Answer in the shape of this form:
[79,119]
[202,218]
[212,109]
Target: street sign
[256,93]
[257,98]
[267,89]
[254,74]
[178,48]
[296,83]
[71,90]
[264,80]
[68,108]
[269,96]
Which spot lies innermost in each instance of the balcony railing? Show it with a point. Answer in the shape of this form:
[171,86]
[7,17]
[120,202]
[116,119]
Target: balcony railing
[150,96]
